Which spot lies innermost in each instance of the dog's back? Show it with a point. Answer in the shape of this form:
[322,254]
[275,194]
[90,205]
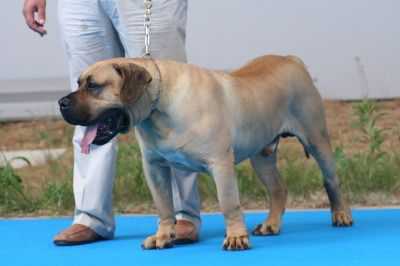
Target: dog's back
[266,64]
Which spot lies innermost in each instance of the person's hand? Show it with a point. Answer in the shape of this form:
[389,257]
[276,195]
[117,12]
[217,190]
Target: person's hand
[34,12]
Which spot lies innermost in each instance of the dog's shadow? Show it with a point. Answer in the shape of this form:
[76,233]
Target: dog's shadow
[133,236]
[205,234]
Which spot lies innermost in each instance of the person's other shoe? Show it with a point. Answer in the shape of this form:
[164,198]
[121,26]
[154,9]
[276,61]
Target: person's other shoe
[186,232]
[76,234]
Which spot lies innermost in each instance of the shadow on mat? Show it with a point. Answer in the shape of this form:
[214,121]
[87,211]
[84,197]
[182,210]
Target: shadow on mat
[139,236]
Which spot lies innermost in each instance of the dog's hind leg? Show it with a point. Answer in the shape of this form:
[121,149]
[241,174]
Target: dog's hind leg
[309,116]
[264,164]
[320,148]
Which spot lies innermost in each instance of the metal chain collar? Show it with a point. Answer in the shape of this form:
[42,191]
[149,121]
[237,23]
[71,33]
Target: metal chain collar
[147,29]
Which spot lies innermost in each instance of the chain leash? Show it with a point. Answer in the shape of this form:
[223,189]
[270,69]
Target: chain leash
[147,53]
[147,27]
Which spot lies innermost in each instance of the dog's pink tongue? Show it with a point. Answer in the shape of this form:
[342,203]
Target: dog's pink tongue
[90,135]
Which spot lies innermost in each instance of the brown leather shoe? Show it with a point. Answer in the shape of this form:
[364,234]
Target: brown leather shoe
[186,232]
[76,234]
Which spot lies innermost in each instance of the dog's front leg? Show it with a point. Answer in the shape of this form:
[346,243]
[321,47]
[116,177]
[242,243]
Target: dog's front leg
[158,177]
[223,172]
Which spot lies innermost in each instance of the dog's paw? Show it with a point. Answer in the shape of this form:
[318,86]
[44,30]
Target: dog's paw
[159,241]
[236,242]
[267,229]
[342,218]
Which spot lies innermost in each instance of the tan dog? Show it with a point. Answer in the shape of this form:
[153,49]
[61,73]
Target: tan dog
[208,121]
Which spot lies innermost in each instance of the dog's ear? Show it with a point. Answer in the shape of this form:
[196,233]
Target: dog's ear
[134,81]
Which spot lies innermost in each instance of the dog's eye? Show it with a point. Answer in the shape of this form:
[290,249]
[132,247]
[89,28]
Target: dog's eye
[92,86]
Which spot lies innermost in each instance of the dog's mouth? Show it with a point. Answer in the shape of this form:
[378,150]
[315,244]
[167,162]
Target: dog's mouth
[106,127]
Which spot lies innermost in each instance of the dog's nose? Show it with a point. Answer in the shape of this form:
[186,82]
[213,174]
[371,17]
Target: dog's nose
[65,102]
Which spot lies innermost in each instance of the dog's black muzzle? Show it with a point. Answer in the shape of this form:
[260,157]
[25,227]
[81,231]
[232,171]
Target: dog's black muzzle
[109,123]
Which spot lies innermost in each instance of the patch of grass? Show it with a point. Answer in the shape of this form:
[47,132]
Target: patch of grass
[17,197]
[57,196]
[207,188]
[302,177]
[12,195]
[130,184]
[250,187]
[372,170]
[361,175]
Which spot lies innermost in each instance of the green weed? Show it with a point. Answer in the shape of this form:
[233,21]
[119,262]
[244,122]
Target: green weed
[130,184]
[56,196]
[373,170]
[12,195]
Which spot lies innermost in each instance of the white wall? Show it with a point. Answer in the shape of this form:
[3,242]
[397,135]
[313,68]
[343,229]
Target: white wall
[25,55]
[225,34]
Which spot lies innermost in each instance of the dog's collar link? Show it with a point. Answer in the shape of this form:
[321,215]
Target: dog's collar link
[147,27]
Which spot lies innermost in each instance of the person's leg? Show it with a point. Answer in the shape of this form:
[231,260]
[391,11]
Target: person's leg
[168,28]
[186,196]
[88,37]
[168,33]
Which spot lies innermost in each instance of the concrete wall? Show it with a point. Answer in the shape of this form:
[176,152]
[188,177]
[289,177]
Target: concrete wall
[224,34]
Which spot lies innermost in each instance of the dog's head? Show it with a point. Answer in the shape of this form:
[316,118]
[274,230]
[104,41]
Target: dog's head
[107,92]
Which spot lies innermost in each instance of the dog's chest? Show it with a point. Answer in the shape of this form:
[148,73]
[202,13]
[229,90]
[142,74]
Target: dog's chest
[176,148]
[182,160]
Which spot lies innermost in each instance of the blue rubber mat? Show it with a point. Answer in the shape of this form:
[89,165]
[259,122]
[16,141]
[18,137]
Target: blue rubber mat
[307,238]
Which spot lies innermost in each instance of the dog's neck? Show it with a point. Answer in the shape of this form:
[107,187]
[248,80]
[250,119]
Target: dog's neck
[149,100]
[155,86]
